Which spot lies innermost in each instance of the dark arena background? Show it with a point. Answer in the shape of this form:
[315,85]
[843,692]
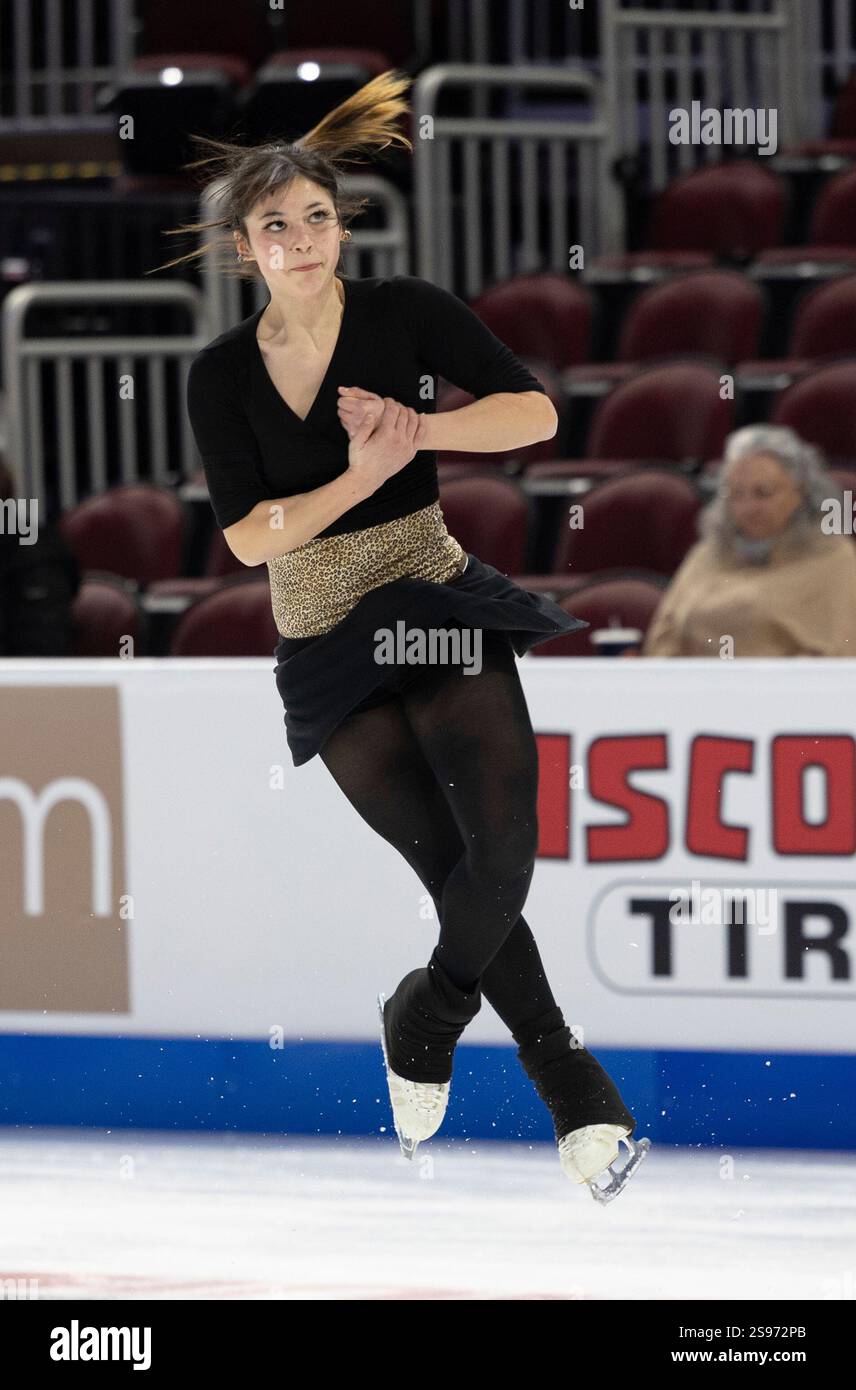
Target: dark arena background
[654,207]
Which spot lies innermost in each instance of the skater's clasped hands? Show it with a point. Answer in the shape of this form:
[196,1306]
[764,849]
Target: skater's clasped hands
[384,435]
[356,405]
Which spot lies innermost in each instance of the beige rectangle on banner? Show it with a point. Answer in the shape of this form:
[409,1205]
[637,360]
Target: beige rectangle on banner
[63,905]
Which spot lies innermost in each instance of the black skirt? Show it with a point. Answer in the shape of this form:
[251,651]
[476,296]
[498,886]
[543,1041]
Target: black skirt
[323,679]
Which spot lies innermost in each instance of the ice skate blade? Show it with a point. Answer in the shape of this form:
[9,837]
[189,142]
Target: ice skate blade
[408,1145]
[620,1176]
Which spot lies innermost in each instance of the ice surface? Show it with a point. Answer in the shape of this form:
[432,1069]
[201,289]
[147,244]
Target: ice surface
[134,1214]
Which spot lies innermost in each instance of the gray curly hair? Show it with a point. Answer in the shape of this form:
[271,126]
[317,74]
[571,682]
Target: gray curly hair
[804,463]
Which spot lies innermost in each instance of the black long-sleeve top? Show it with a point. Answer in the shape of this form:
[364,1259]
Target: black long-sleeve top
[397,336]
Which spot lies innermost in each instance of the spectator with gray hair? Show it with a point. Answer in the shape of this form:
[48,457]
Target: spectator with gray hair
[774,570]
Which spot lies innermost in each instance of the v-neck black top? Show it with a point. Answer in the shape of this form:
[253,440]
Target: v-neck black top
[397,336]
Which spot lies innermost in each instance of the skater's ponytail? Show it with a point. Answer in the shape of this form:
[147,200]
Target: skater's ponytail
[244,174]
[365,122]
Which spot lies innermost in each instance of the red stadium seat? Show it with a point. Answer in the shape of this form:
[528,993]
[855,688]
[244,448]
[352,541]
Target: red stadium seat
[104,614]
[735,209]
[220,564]
[824,327]
[671,414]
[825,321]
[646,520]
[236,620]
[611,602]
[716,314]
[543,316]
[490,517]
[137,530]
[221,561]
[833,227]
[821,407]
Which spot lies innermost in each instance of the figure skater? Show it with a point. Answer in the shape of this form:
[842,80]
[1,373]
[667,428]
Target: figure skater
[318,439]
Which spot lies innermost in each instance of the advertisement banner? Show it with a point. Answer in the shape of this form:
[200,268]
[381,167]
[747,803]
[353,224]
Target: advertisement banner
[166,869]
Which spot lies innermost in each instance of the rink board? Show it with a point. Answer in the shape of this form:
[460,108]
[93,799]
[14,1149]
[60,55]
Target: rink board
[194,931]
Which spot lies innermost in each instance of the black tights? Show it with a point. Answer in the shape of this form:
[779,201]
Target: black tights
[447,772]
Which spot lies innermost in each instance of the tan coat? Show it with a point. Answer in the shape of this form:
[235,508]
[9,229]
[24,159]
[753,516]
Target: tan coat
[800,602]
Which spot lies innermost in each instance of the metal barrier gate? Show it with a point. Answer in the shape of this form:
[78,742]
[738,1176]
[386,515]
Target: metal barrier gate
[464,244]
[88,416]
[745,61]
[52,72]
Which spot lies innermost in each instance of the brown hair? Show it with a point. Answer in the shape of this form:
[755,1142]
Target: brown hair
[246,173]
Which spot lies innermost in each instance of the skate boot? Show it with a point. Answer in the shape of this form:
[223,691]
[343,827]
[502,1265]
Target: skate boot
[589,1116]
[420,1025]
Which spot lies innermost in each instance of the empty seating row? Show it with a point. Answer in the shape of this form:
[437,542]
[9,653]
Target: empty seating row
[713,315]
[236,620]
[646,518]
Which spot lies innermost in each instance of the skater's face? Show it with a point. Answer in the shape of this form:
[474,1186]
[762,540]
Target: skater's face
[292,228]
[761,496]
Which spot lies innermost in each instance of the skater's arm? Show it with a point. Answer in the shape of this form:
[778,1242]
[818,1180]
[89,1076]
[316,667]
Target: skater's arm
[501,421]
[495,423]
[512,408]
[255,526]
[228,448]
[375,453]
[278,525]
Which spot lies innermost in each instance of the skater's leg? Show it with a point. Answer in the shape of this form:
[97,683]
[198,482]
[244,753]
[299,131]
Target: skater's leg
[378,764]
[477,738]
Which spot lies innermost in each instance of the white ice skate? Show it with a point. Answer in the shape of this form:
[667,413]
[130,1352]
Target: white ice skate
[585,1153]
[418,1107]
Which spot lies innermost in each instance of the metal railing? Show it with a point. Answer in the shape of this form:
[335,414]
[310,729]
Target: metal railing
[383,250]
[654,61]
[829,57]
[75,425]
[54,55]
[465,240]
